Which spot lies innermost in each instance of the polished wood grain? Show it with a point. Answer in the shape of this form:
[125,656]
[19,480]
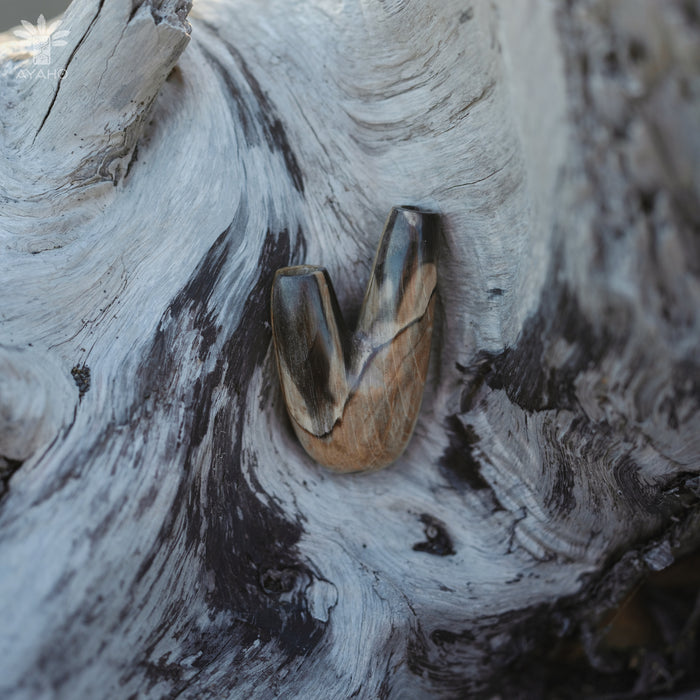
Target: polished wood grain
[354,398]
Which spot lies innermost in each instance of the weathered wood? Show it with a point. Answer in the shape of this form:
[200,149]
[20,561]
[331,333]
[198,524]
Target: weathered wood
[163,533]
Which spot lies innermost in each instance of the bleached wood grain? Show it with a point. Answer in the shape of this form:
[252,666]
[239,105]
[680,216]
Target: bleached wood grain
[165,534]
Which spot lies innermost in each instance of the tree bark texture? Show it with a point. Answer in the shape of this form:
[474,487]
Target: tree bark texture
[162,532]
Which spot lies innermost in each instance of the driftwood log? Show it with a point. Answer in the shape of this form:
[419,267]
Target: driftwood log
[162,532]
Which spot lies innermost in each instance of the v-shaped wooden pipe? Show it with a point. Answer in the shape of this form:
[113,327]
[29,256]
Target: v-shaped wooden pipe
[353,399]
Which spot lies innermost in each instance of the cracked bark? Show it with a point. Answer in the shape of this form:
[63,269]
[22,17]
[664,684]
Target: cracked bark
[161,531]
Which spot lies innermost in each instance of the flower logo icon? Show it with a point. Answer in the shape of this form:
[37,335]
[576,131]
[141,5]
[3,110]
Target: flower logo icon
[43,38]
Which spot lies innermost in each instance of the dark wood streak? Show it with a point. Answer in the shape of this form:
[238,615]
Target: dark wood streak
[253,109]
[235,539]
[239,556]
[354,399]
[437,540]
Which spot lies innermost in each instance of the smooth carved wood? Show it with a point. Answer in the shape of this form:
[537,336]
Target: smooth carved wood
[354,399]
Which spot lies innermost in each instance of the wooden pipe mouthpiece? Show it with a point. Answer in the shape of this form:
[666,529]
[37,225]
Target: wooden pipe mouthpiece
[354,398]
